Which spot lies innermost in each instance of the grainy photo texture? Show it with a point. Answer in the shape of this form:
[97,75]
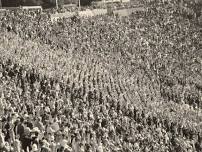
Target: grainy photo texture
[100,75]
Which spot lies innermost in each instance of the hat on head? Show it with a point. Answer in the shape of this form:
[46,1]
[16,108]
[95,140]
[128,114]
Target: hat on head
[136,146]
[26,115]
[46,145]
[52,138]
[50,130]
[35,129]
[34,148]
[64,144]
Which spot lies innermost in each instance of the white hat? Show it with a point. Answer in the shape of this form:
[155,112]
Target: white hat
[64,144]
[35,129]
[52,138]
[47,109]
[136,145]
[26,116]
[50,130]
[34,148]
[66,129]
[45,144]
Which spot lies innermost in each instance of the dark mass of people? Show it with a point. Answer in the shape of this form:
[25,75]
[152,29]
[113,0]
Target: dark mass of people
[101,84]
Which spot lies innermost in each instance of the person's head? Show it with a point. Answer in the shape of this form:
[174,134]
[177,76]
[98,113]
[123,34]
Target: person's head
[34,148]
[58,135]
[45,149]
[52,138]
[21,119]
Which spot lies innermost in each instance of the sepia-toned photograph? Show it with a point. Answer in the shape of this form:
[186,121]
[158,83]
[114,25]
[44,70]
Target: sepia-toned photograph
[100,75]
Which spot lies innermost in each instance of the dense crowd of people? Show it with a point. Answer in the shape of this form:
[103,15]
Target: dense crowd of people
[42,114]
[95,108]
[69,35]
